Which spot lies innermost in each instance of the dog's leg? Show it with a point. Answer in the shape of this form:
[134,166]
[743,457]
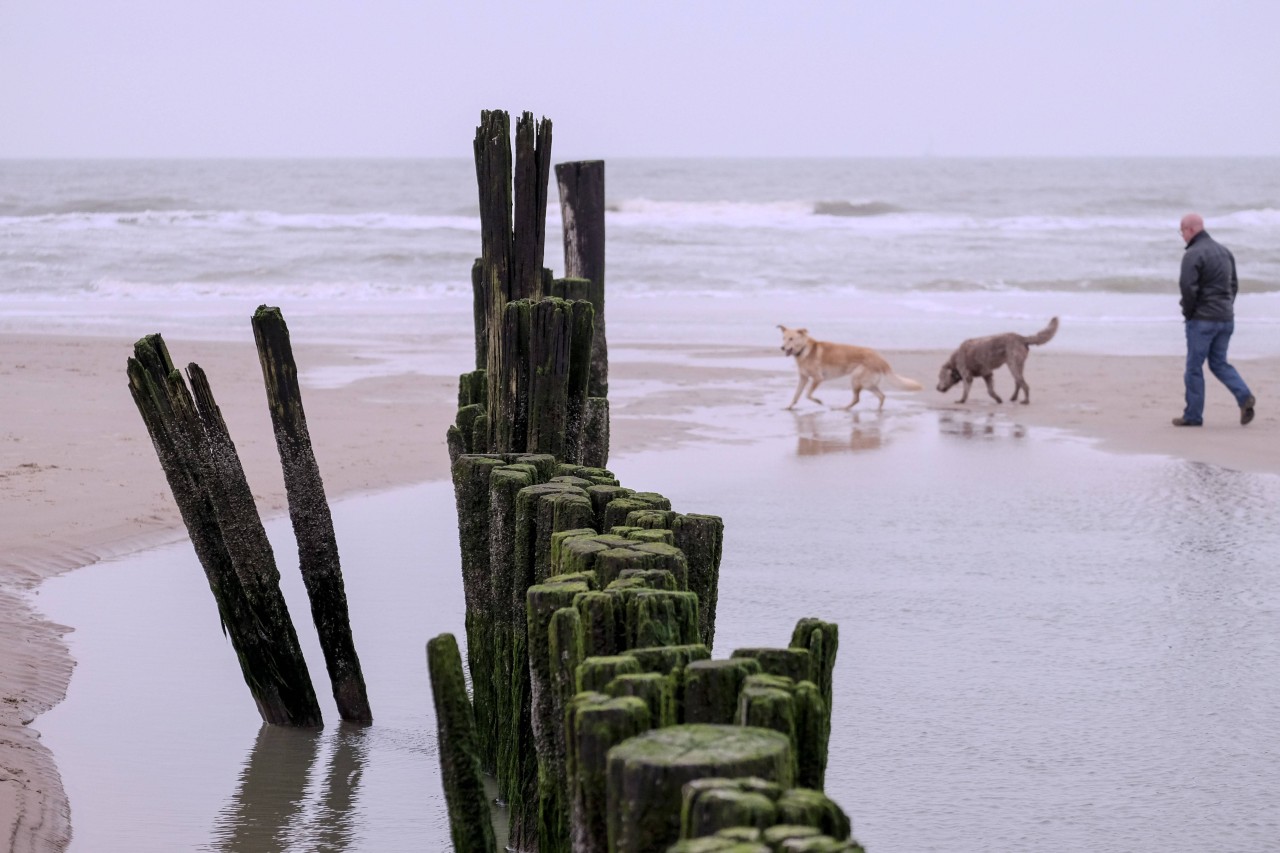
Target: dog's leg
[804,380]
[1019,383]
[991,387]
[968,383]
[814,387]
[875,389]
[857,395]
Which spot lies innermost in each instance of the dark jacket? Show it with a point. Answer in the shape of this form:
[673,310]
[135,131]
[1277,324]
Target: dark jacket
[1208,280]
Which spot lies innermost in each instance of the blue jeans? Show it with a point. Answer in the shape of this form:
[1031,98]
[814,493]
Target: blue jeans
[1209,339]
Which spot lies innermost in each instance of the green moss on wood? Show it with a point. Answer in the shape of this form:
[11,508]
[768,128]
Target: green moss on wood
[711,689]
[469,822]
[647,773]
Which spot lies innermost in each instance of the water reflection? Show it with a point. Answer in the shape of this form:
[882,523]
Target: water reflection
[815,437]
[273,808]
[976,425]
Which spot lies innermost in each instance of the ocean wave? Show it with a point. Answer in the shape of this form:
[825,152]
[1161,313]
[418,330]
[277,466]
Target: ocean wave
[354,291]
[248,220]
[1263,217]
[850,208]
[137,204]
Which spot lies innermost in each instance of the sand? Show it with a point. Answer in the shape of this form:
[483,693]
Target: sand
[79,481]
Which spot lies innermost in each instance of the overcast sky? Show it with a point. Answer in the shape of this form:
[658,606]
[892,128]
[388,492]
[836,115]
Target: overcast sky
[177,78]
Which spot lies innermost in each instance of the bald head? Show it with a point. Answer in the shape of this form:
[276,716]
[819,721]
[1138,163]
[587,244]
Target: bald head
[1192,224]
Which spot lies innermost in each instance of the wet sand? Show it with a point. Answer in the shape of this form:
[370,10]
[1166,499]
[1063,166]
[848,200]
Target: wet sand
[79,481]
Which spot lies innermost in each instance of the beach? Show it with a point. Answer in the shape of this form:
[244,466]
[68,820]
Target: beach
[81,481]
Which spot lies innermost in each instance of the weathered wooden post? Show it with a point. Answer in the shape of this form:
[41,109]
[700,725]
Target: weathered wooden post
[714,804]
[547,712]
[594,724]
[309,512]
[470,825]
[208,485]
[701,538]
[711,689]
[647,773]
[582,207]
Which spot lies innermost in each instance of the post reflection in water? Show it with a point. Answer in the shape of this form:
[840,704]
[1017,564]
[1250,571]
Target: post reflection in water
[815,437]
[277,805]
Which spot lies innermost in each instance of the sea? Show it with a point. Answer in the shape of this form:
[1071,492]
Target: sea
[1042,645]
[892,253]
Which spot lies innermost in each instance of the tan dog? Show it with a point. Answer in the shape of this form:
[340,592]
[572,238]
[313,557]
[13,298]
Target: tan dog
[819,361]
[982,356]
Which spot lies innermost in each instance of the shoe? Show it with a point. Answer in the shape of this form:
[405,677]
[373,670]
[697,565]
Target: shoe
[1181,422]
[1246,410]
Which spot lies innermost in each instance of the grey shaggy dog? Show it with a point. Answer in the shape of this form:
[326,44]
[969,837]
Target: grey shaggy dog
[982,356]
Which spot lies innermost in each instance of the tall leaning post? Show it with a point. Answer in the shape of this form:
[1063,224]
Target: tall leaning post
[581,185]
[309,512]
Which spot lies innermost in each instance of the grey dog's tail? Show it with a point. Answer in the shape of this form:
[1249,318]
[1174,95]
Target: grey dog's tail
[1044,335]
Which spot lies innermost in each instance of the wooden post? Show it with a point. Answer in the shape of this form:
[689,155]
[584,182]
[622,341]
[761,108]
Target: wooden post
[547,712]
[481,300]
[509,379]
[582,203]
[646,775]
[701,538]
[711,689]
[595,724]
[309,512]
[533,171]
[469,823]
[270,659]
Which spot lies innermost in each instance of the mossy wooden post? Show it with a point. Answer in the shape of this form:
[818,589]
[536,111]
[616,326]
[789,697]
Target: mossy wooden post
[595,432]
[509,379]
[822,640]
[547,713]
[599,624]
[548,363]
[470,825]
[792,663]
[647,773]
[579,378]
[701,538]
[566,651]
[711,689]
[766,702]
[472,491]
[595,673]
[204,474]
[657,691]
[706,811]
[508,650]
[309,512]
[582,207]
[813,734]
[594,724]
[805,807]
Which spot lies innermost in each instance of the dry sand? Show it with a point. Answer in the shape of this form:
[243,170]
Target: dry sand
[79,481]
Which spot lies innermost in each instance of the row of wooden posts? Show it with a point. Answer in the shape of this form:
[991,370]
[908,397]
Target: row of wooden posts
[594,700]
[590,607]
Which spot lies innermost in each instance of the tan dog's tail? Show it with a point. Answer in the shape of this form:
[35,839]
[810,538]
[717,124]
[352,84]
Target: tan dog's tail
[1044,335]
[903,382]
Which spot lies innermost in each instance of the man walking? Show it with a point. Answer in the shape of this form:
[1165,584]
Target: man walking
[1209,286]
